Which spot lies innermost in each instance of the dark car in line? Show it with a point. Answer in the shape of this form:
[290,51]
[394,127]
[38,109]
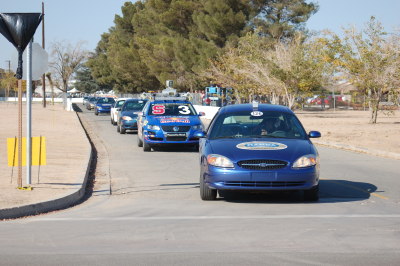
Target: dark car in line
[128,115]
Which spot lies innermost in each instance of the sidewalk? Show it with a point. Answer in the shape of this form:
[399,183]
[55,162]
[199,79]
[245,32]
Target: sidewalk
[56,185]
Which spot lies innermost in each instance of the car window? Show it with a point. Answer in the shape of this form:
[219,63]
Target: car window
[172,109]
[119,103]
[268,124]
[134,105]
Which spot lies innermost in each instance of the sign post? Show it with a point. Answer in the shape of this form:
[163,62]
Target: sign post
[19,28]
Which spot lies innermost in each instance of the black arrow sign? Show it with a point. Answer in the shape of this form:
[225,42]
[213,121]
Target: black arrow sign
[19,28]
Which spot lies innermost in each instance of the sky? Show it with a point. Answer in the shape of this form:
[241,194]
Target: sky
[85,20]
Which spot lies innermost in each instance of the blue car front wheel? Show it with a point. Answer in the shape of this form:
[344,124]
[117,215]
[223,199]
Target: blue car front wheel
[146,146]
[207,193]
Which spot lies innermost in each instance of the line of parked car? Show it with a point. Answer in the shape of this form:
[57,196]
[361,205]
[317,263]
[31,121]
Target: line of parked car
[251,147]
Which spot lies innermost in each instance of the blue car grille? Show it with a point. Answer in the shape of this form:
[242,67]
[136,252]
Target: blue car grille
[262,164]
[180,128]
[263,184]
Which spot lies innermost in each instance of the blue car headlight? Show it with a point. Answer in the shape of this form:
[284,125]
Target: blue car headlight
[306,161]
[197,127]
[127,118]
[153,127]
[219,161]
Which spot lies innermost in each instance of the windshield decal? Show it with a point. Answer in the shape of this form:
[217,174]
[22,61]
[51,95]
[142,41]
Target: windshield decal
[256,113]
[261,145]
[174,120]
[158,109]
[184,110]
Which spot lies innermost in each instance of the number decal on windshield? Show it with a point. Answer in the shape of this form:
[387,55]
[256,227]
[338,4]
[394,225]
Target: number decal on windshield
[183,109]
[158,109]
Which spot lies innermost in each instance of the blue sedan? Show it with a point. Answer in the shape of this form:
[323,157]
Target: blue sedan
[258,147]
[168,122]
[103,105]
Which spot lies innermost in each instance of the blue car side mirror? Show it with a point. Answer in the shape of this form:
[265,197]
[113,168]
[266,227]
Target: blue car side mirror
[202,114]
[199,135]
[314,134]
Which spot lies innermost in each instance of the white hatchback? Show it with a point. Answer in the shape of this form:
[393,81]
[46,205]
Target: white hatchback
[115,109]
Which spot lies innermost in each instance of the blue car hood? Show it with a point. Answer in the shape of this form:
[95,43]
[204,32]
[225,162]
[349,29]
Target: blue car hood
[271,148]
[174,120]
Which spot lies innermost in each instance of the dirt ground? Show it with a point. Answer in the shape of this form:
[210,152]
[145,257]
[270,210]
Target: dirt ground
[352,128]
[67,155]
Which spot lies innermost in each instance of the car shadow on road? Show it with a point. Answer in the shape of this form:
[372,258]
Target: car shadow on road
[181,149]
[331,191]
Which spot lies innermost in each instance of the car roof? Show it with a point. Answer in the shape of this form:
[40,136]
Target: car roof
[135,100]
[249,108]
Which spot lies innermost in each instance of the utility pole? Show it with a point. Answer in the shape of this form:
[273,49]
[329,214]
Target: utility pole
[43,46]
[9,65]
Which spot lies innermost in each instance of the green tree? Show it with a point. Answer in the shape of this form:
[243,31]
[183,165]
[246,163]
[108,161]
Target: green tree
[281,19]
[98,63]
[84,80]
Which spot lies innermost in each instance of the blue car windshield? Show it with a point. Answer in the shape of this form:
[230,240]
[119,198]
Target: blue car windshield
[171,109]
[265,125]
[106,101]
[134,105]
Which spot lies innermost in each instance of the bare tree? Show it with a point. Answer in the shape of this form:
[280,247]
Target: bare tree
[66,60]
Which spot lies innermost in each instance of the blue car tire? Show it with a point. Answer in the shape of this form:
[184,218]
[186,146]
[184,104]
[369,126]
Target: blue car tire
[146,146]
[122,130]
[207,193]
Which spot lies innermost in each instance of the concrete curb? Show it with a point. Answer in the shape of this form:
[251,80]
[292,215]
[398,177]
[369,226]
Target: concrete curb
[51,205]
[341,146]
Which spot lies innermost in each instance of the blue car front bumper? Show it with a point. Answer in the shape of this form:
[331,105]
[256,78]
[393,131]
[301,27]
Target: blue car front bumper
[129,124]
[160,137]
[242,179]
[103,109]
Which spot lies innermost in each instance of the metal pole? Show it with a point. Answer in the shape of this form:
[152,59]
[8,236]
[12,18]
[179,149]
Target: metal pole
[19,133]
[29,114]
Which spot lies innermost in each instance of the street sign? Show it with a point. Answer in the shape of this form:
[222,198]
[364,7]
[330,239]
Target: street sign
[40,61]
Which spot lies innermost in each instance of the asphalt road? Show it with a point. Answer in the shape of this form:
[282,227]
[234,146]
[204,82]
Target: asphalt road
[146,210]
